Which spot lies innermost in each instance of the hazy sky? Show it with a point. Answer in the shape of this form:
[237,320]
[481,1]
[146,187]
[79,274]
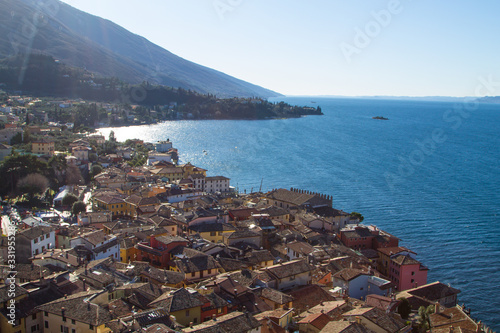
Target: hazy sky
[326,47]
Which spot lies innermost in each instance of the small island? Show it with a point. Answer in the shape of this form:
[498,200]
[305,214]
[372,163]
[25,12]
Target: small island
[380,118]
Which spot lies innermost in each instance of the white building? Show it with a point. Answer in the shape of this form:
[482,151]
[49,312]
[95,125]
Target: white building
[154,157]
[101,245]
[33,241]
[163,146]
[216,184]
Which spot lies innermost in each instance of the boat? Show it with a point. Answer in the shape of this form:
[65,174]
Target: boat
[380,118]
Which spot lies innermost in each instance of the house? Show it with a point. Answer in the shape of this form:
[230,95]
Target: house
[5,150]
[297,198]
[387,304]
[289,274]
[377,320]
[367,237]
[159,156]
[94,218]
[163,146]
[243,236]
[213,232]
[43,147]
[184,304]
[158,251]
[100,244]
[259,258]
[333,309]
[128,251]
[196,265]
[232,322]
[81,153]
[281,317]
[406,272]
[358,284]
[385,254]
[33,241]
[276,299]
[135,203]
[7,134]
[7,302]
[298,249]
[112,202]
[81,312]
[313,323]
[217,184]
[346,327]
[308,296]
[64,259]
[162,277]
[453,319]
[435,292]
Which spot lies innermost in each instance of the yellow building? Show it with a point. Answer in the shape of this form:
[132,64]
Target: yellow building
[190,169]
[127,250]
[9,322]
[80,312]
[213,232]
[173,174]
[113,203]
[43,147]
[184,305]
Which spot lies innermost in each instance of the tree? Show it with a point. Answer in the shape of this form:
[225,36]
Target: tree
[78,207]
[73,175]
[32,184]
[358,216]
[95,170]
[424,321]
[69,199]
[15,167]
[404,308]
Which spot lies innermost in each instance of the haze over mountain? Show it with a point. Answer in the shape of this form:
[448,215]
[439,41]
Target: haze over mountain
[82,40]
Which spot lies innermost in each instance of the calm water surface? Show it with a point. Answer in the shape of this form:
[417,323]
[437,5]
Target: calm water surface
[429,175]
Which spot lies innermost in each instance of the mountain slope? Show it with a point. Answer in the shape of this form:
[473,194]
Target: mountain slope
[86,41]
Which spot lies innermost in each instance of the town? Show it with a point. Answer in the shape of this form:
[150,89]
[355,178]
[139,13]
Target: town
[130,240]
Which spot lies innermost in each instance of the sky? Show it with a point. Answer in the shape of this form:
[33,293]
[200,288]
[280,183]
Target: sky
[327,47]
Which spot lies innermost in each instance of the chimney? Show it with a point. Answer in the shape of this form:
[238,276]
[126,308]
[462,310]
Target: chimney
[479,327]
[451,329]
[191,324]
[63,309]
[358,319]
[437,308]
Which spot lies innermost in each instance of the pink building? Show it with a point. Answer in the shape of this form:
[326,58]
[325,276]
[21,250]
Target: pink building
[407,272]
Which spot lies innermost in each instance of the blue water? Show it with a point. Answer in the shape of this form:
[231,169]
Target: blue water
[429,175]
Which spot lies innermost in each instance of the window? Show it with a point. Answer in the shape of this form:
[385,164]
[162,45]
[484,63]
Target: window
[91,327]
[212,233]
[209,271]
[73,330]
[33,316]
[46,324]
[46,314]
[187,313]
[64,319]
[35,240]
[412,280]
[73,321]
[192,274]
[412,273]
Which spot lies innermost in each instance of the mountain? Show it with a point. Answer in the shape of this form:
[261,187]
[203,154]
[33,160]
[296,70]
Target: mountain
[86,41]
